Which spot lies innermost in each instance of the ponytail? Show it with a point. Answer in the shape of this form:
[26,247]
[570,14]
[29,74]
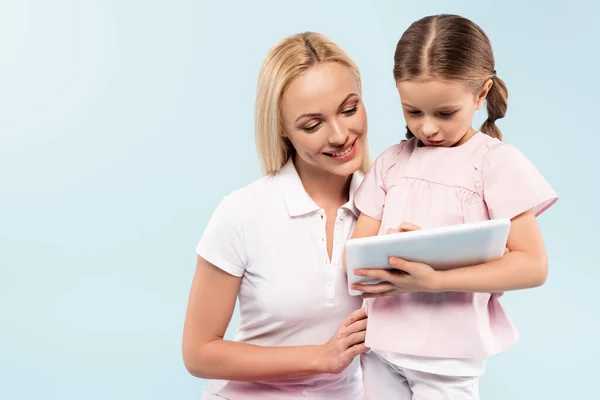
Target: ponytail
[497,103]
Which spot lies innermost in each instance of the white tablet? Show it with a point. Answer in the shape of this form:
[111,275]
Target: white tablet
[441,248]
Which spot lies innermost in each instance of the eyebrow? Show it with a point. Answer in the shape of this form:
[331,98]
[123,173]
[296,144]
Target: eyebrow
[445,106]
[312,115]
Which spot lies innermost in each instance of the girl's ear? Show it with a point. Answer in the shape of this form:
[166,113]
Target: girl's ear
[483,94]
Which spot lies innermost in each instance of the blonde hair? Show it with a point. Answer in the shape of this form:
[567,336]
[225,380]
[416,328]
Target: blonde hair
[284,62]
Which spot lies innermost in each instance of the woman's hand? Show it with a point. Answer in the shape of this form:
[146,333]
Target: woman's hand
[347,342]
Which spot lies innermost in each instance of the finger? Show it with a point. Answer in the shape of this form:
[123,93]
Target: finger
[375,273]
[377,288]
[357,326]
[356,315]
[357,349]
[356,338]
[392,230]
[400,264]
[392,292]
[407,227]
[506,251]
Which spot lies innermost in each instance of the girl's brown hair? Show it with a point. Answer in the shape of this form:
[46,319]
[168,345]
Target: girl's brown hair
[452,47]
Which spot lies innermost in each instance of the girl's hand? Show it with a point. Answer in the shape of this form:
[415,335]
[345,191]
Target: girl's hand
[395,282]
[407,277]
[347,342]
[404,227]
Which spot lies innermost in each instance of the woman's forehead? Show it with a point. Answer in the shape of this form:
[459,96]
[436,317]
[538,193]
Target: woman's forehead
[320,89]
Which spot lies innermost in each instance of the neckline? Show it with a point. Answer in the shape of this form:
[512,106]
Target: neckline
[468,143]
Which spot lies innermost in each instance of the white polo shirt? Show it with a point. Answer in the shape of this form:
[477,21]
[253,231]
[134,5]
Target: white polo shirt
[272,235]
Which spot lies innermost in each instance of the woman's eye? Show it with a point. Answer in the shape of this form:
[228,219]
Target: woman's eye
[311,128]
[350,111]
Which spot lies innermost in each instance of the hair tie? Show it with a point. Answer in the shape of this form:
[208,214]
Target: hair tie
[494,72]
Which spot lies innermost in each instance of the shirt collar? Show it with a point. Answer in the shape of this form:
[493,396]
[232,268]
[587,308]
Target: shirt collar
[298,202]
[357,179]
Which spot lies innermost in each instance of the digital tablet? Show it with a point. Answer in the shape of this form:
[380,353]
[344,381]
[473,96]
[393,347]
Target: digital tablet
[442,248]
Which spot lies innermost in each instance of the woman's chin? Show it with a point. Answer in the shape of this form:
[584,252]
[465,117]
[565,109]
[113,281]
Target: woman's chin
[345,169]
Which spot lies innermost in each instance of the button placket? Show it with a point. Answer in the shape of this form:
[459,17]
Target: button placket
[329,276]
[323,230]
[335,254]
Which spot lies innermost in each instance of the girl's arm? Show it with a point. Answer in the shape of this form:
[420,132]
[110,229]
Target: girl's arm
[365,227]
[207,355]
[526,265]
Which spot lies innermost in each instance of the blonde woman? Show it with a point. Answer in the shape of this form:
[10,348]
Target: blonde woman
[277,244]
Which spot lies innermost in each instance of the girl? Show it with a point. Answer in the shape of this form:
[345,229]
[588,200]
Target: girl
[430,331]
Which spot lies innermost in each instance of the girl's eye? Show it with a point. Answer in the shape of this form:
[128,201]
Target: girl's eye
[350,111]
[311,128]
[414,112]
[447,113]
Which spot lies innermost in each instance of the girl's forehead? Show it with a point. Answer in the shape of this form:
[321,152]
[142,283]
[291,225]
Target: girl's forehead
[432,93]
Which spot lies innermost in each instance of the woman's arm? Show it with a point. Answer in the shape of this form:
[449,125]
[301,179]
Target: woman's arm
[207,355]
[525,266]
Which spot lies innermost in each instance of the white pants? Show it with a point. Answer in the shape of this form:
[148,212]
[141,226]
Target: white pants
[383,380]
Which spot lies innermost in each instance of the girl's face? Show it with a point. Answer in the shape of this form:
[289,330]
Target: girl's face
[440,112]
[325,119]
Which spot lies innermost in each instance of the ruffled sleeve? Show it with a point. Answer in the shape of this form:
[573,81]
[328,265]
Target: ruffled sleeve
[370,196]
[512,184]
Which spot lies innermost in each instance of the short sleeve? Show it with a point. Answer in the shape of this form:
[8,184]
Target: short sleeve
[370,196]
[222,243]
[512,184]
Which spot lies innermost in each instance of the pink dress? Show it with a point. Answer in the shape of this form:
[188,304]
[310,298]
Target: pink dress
[439,186]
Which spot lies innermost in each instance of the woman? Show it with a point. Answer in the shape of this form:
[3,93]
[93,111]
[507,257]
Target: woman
[277,244]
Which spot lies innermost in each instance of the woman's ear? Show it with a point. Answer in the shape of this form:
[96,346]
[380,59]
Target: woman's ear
[483,94]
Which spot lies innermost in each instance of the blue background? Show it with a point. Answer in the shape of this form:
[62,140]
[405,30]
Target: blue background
[123,123]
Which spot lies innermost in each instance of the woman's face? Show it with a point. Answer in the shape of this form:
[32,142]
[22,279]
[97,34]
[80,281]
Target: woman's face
[325,119]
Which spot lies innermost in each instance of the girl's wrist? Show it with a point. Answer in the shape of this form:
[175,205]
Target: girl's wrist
[438,282]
